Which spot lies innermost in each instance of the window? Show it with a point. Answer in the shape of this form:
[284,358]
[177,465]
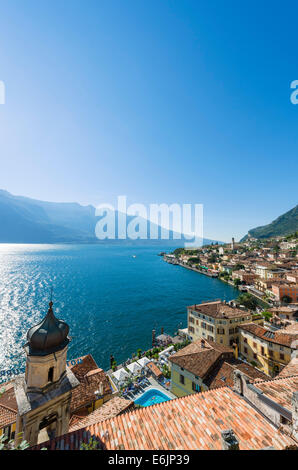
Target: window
[245,340]
[181,379]
[255,345]
[51,374]
[282,356]
[231,331]
[245,350]
[255,356]
[7,433]
[270,352]
[193,386]
[220,331]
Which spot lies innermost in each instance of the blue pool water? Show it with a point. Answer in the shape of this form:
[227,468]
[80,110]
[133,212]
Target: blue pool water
[152,397]
[110,299]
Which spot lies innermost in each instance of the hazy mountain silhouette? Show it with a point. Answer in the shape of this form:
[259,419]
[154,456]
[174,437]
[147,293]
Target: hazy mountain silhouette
[25,220]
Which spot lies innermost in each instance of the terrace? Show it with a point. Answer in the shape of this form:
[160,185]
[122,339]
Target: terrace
[151,372]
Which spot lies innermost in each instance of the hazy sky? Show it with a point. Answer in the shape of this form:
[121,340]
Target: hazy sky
[163,101]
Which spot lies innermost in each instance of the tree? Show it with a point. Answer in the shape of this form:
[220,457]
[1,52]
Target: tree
[92,444]
[286,299]
[248,301]
[267,315]
[239,266]
[10,445]
[237,282]
[139,353]
[194,260]
[212,258]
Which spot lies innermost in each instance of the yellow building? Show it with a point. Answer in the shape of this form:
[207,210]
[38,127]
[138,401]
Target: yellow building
[269,351]
[204,365]
[218,321]
[190,366]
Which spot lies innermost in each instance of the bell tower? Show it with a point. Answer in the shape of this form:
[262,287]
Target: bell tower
[44,394]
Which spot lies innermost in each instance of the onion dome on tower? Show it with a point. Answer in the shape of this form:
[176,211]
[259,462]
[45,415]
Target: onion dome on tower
[49,336]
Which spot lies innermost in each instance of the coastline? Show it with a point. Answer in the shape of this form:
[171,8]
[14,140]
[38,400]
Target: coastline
[216,276]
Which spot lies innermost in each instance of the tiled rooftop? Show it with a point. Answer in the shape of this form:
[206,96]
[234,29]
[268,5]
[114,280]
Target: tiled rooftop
[290,369]
[154,369]
[8,405]
[199,357]
[223,373]
[192,422]
[218,309]
[280,390]
[90,378]
[284,339]
[7,416]
[111,408]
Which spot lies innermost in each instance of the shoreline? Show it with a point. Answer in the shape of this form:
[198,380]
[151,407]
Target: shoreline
[216,276]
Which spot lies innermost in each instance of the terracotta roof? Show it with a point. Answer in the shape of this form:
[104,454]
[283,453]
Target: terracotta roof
[7,416]
[8,405]
[291,329]
[156,371]
[90,378]
[111,408]
[198,358]
[223,373]
[285,339]
[290,369]
[280,390]
[192,422]
[218,309]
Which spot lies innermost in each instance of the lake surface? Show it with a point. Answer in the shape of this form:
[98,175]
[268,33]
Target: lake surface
[110,299]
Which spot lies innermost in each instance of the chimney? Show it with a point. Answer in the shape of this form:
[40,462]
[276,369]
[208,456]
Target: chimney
[229,441]
[295,415]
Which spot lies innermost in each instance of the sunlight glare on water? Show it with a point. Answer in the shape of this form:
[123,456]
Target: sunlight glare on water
[110,299]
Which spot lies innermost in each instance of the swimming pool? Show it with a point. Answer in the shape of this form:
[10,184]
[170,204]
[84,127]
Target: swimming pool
[152,397]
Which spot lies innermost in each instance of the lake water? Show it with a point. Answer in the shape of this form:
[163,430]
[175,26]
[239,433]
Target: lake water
[110,299]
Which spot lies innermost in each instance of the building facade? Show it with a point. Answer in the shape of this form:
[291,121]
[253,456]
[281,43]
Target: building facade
[218,321]
[43,396]
[269,351]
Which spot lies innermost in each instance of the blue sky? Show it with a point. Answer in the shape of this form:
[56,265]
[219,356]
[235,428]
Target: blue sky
[163,101]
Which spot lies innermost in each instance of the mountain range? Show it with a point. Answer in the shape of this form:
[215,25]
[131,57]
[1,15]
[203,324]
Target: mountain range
[285,224]
[25,220]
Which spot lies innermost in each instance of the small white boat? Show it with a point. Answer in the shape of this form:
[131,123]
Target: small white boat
[134,256]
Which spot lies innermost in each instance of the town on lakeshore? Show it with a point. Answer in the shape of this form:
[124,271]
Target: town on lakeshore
[228,381]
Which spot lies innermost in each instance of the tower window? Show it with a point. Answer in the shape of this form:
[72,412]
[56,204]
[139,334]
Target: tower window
[51,374]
